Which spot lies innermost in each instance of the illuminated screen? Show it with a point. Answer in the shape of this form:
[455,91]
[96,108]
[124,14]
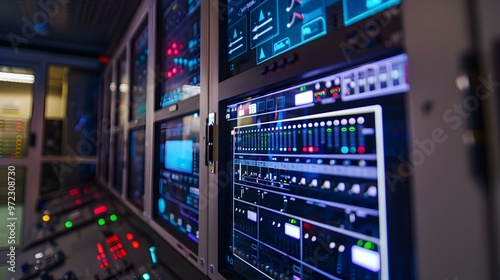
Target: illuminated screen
[179,51]
[136,167]
[315,191]
[177,178]
[179,155]
[356,10]
[256,31]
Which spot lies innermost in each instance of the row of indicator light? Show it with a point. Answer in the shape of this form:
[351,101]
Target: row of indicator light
[97,211]
[101,256]
[343,122]
[112,218]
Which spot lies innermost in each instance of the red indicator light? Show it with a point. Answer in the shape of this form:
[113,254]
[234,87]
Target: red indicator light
[74,192]
[101,266]
[129,236]
[174,70]
[99,248]
[106,263]
[98,257]
[306,226]
[100,209]
[316,149]
[124,253]
[103,59]
[78,202]
[335,95]
[169,74]
[115,257]
[361,149]
[304,149]
[135,244]
[120,245]
[174,45]
[169,52]
[311,149]
[176,52]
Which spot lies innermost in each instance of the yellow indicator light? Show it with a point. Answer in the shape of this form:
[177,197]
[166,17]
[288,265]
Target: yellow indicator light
[45,218]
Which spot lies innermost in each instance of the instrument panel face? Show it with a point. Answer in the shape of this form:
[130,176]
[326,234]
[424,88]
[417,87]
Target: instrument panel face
[310,196]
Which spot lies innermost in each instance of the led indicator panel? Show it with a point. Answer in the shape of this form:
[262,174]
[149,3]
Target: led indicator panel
[314,175]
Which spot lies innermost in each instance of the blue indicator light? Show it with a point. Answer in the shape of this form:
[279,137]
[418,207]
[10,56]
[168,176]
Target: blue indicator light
[344,150]
[152,252]
[146,276]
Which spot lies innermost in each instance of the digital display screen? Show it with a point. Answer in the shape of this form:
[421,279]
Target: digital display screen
[177,178]
[256,31]
[180,51]
[136,167]
[313,191]
[357,10]
[140,52]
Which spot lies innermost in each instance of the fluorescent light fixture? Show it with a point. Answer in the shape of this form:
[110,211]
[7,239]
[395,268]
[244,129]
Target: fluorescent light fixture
[17,78]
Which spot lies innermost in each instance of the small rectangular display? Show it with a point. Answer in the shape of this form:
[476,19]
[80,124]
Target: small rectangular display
[136,167]
[177,178]
[357,10]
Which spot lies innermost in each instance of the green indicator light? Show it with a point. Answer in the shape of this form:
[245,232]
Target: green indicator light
[369,245]
[344,129]
[303,88]
[353,150]
[146,276]
[360,243]
[101,222]
[68,224]
[113,218]
[310,132]
[352,128]
[329,130]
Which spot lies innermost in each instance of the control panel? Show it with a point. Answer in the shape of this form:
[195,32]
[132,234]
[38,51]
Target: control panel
[97,243]
[309,195]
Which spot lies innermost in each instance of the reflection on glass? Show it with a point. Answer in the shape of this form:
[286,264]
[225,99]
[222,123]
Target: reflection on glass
[16,100]
[70,123]
[140,53]
[136,167]
[119,161]
[122,90]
